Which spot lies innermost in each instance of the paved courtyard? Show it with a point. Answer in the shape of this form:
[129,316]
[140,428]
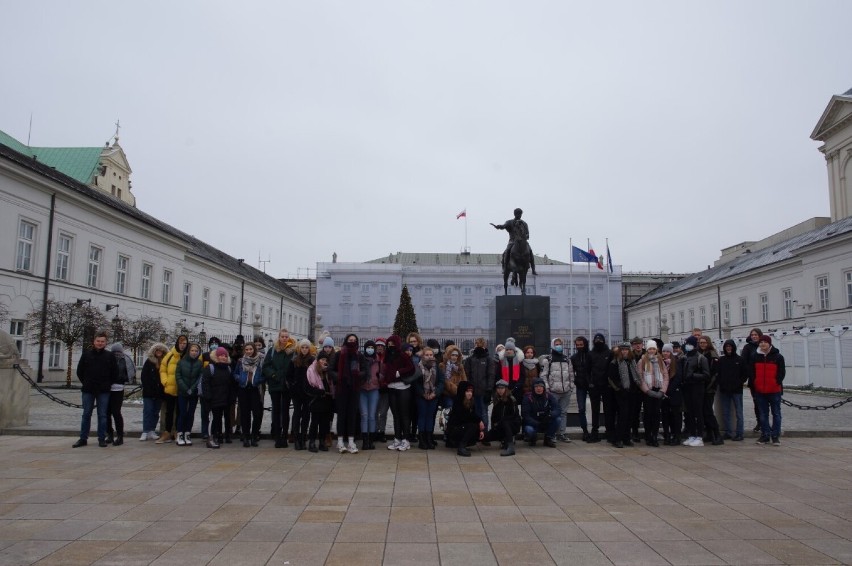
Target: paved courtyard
[579,504]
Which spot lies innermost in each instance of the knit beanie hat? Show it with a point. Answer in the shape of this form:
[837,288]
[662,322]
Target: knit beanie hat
[668,348]
[220,351]
[381,342]
[692,341]
[329,341]
[650,344]
[765,338]
[510,344]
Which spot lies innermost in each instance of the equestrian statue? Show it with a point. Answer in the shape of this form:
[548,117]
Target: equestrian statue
[518,257]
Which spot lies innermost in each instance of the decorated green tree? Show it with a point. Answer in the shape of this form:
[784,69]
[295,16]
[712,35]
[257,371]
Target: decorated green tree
[405,321]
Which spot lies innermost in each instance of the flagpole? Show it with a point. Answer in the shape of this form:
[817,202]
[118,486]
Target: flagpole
[589,271]
[571,286]
[466,249]
[608,304]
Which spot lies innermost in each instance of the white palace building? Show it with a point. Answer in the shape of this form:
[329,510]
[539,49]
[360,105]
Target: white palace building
[796,285]
[452,295]
[77,203]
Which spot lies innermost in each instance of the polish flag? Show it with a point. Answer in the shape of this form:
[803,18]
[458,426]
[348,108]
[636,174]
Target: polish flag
[462,214]
[598,260]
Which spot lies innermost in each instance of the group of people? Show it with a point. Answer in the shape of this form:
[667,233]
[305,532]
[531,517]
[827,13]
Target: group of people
[502,396]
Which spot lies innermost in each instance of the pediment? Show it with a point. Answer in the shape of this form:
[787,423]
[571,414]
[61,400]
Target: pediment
[838,112]
[116,155]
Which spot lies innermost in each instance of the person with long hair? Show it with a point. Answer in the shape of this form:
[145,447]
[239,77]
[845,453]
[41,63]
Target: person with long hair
[297,379]
[187,375]
[653,382]
[480,369]
[348,368]
[465,426]
[126,374]
[416,343]
[276,364]
[319,388]
[622,373]
[369,399]
[168,370]
[152,390]
[530,371]
[215,388]
[397,369]
[671,407]
[558,373]
[249,377]
[708,350]
[428,387]
[384,402]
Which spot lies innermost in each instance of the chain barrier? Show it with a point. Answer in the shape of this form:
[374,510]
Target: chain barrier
[816,407]
[56,399]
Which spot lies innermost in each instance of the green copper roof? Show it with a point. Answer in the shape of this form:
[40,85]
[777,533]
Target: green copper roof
[79,163]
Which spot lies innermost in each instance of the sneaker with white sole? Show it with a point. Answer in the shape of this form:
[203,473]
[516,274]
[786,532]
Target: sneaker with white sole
[394,445]
[688,441]
[153,436]
[186,438]
[352,448]
[180,440]
[144,437]
[341,448]
[697,441]
[404,445]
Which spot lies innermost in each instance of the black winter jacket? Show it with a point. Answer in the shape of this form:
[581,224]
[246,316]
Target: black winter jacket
[599,358]
[582,363]
[731,371]
[97,371]
[693,368]
[480,371]
[216,385]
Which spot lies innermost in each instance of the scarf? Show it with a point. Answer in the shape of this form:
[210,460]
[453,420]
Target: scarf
[250,365]
[652,371]
[319,381]
[529,363]
[429,378]
[624,373]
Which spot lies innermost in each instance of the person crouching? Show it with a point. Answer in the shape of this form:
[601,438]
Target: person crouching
[505,421]
[465,426]
[541,413]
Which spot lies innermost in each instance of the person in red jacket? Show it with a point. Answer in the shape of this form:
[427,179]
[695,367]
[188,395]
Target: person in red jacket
[768,372]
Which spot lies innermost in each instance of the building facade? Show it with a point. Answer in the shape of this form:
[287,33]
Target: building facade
[452,295]
[99,247]
[796,285]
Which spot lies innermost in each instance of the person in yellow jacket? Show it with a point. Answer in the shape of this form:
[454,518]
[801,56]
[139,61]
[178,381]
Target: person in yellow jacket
[168,369]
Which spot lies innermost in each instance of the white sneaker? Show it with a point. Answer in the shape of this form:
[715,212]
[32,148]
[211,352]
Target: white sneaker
[352,448]
[153,436]
[688,441]
[404,445]
[180,440]
[144,437]
[697,441]
[341,448]
[394,445]
[186,439]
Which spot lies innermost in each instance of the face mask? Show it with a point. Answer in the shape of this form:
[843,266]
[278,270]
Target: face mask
[370,351]
[689,347]
[501,354]
[214,347]
[557,349]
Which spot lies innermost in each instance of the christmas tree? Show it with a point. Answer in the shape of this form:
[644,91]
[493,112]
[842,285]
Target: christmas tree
[405,321]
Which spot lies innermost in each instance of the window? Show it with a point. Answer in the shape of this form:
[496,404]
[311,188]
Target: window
[254,310]
[427,290]
[347,288]
[448,290]
[262,313]
[26,241]
[221,310]
[787,294]
[95,254]
[63,257]
[345,315]
[17,328]
[714,315]
[166,295]
[427,318]
[233,307]
[636,329]
[364,316]
[365,288]
[726,313]
[384,315]
[702,317]
[822,292]
[489,290]
[205,301]
[447,318]
[121,274]
[187,295]
[744,310]
[682,322]
[672,320]
[764,307]
[54,354]
[468,290]
[145,289]
[383,287]
[467,318]
[691,318]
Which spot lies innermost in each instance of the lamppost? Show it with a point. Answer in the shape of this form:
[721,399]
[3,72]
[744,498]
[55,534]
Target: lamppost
[242,297]
[117,330]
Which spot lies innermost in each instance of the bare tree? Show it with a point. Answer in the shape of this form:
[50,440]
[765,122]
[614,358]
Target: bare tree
[138,334]
[73,324]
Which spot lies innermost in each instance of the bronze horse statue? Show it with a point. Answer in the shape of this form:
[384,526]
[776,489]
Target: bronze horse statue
[517,265]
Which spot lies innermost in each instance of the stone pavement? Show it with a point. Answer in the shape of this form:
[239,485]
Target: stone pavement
[578,504]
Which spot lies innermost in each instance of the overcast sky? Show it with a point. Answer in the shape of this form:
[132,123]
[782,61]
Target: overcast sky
[298,129]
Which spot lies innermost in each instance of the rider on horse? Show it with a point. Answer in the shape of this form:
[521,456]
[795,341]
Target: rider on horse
[517,229]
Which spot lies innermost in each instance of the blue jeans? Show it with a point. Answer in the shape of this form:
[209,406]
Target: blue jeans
[369,404]
[89,400]
[767,402]
[737,400]
[480,407]
[548,429]
[186,412]
[426,414]
[150,413]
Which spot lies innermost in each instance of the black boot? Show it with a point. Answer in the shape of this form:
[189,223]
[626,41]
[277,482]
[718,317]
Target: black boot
[430,440]
[586,436]
[717,438]
[509,450]
[595,437]
[119,440]
[365,441]
[312,446]
[463,451]
[279,442]
[109,438]
[421,441]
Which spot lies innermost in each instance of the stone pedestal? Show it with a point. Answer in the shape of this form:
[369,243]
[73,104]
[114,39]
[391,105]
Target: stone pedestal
[526,318]
[14,389]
